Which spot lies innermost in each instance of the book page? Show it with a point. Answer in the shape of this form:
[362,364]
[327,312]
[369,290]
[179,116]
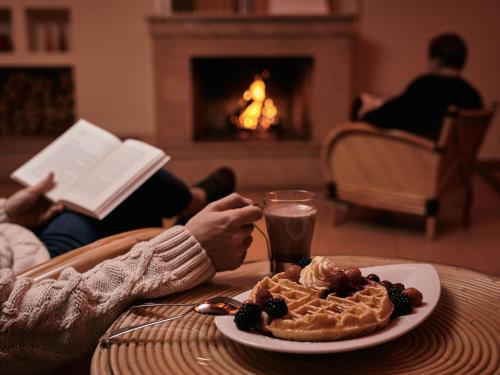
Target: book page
[113,175]
[70,156]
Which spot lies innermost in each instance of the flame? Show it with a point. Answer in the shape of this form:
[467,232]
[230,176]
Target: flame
[259,111]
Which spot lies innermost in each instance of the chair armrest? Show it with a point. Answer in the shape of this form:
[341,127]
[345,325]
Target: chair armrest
[86,257]
[351,128]
[363,156]
[365,128]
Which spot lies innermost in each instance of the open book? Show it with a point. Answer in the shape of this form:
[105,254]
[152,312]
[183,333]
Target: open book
[94,170]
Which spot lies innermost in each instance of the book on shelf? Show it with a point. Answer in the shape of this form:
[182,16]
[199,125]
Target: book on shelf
[94,170]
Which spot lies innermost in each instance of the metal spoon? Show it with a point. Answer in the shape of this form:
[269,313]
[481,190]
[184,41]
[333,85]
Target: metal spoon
[212,302]
[213,306]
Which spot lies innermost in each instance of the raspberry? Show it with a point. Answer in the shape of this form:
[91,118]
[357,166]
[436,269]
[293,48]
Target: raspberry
[353,274]
[248,316]
[304,262]
[402,304]
[387,284]
[340,283]
[373,277]
[276,307]
[414,295]
[261,296]
[293,273]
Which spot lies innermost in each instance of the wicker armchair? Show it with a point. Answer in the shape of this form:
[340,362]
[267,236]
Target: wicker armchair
[398,171]
[86,257]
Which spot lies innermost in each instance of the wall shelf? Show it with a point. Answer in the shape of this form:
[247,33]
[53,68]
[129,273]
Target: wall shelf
[9,59]
[6,43]
[37,73]
[38,33]
[47,29]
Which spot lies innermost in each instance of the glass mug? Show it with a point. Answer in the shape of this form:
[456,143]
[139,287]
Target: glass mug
[290,216]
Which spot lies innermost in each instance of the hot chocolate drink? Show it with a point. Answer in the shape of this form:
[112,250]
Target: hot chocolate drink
[290,227]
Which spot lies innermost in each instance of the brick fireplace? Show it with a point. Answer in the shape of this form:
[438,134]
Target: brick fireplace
[203,65]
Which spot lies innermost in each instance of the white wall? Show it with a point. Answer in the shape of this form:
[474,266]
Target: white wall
[112,51]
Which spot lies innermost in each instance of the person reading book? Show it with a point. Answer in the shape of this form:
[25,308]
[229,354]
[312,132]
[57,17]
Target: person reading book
[48,324]
[108,187]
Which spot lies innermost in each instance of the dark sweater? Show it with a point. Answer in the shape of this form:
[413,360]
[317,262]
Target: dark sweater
[420,109]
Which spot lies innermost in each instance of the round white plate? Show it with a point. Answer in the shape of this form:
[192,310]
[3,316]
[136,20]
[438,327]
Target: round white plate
[424,277]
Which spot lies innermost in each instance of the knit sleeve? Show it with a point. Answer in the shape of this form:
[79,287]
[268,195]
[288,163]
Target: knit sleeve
[47,324]
[3,212]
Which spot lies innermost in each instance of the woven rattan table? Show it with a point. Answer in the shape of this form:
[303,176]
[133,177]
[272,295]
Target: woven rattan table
[462,336]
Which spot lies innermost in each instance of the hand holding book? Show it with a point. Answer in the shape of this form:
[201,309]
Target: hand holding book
[95,170]
[28,207]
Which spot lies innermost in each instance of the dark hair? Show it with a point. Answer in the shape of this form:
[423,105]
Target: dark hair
[450,49]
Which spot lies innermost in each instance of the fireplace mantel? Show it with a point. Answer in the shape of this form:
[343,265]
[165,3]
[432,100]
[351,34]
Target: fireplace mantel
[178,40]
[208,26]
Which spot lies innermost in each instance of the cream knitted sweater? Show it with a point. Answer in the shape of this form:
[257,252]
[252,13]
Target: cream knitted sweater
[48,324]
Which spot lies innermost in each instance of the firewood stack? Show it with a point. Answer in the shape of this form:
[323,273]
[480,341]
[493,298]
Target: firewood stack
[36,101]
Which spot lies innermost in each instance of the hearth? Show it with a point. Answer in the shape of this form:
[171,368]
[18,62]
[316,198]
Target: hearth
[252,98]
[203,67]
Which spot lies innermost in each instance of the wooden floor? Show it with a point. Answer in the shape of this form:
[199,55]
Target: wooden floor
[367,232]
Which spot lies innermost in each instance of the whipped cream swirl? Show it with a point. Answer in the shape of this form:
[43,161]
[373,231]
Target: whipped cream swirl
[319,273]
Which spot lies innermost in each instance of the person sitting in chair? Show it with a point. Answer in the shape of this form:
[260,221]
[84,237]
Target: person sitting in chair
[421,107]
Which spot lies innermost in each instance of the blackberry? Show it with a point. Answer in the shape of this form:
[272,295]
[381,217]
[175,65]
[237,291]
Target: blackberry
[395,289]
[304,262]
[402,304]
[247,317]
[393,292]
[373,277]
[276,307]
[399,286]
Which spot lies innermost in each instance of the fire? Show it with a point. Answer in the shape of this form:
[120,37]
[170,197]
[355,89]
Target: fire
[259,111]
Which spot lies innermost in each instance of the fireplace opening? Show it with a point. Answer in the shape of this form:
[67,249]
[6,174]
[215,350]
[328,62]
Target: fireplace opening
[257,98]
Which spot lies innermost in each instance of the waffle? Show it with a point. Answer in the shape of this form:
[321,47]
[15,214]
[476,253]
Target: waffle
[312,318]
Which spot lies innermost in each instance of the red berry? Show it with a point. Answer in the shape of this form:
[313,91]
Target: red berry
[293,273]
[387,284]
[353,274]
[414,295]
[340,283]
[261,296]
